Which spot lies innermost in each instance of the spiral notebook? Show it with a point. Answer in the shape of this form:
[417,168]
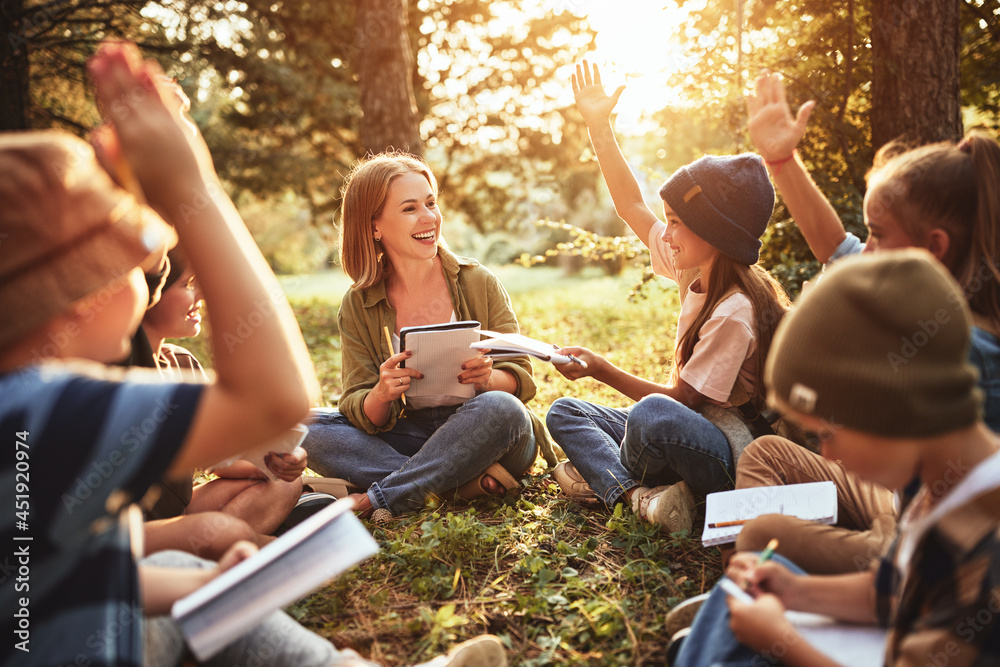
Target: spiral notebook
[439,350]
[727,511]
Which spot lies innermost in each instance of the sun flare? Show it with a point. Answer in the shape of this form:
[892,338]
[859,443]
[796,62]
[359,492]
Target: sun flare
[635,47]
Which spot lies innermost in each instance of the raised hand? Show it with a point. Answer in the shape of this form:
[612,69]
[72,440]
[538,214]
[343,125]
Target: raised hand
[773,130]
[148,131]
[588,91]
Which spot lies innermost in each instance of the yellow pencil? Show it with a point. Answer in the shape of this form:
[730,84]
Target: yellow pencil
[727,524]
[388,341]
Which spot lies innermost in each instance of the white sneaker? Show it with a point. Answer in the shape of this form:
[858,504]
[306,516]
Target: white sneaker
[670,507]
[481,651]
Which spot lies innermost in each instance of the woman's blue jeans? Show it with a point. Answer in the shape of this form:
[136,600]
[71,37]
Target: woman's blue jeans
[656,441]
[427,452]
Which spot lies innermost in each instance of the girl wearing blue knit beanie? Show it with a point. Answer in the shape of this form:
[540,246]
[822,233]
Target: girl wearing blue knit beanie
[683,436]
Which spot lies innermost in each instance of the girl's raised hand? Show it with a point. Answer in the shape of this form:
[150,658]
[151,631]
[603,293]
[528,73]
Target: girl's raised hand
[588,91]
[773,130]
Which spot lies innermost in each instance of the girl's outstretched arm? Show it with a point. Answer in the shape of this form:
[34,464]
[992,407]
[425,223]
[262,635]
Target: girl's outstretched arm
[776,134]
[265,379]
[622,381]
[596,107]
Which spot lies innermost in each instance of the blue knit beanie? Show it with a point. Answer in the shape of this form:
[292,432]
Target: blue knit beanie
[725,200]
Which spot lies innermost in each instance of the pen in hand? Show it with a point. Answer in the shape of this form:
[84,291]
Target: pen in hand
[765,556]
[575,360]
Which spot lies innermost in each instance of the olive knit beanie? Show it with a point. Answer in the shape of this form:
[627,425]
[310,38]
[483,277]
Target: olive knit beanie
[725,200]
[879,345]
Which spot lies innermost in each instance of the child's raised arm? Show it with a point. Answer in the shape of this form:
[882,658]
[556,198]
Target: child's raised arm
[776,134]
[596,107]
[265,379]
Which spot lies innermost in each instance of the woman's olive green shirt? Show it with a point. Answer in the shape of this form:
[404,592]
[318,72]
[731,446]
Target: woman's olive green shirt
[476,294]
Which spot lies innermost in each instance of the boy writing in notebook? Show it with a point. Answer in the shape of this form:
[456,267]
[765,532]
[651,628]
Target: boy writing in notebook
[918,423]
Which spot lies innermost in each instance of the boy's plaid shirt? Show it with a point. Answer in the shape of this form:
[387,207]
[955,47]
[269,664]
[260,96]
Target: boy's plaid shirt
[947,612]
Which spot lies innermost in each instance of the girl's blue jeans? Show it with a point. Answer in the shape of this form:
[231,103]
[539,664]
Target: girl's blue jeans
[656,441]
[427,452]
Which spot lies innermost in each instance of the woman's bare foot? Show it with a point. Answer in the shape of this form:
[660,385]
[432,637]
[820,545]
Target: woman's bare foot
[492,486]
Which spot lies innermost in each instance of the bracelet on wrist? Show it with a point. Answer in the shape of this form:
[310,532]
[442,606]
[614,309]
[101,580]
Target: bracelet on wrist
[776,165]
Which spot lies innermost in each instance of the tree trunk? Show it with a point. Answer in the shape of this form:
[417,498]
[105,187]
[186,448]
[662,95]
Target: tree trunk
[385,68]
[13,66]
[915,72]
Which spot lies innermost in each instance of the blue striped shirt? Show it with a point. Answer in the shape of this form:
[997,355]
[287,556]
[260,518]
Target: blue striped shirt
[81,445]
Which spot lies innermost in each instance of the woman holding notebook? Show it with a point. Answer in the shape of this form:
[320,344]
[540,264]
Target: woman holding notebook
[405,451]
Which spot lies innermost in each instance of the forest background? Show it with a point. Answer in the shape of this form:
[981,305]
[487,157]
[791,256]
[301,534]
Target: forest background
[289,94]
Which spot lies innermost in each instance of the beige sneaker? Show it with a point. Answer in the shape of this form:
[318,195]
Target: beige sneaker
[671,507]
[481,651]
[573,484]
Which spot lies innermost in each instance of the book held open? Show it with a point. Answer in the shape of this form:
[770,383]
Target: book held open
[303,559]
[504,345]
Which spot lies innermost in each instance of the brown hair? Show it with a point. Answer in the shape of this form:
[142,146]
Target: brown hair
[769,302]
[955,188]
[365,190]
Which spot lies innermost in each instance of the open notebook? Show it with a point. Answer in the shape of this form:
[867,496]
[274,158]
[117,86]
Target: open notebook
[287,569]
[727,511]
[847,644]
[505,345]
[439,350]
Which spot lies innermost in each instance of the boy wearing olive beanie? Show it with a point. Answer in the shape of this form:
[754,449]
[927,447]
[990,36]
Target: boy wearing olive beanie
[874,359]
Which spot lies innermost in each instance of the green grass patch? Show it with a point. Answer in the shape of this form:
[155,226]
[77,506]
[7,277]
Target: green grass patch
[559,584]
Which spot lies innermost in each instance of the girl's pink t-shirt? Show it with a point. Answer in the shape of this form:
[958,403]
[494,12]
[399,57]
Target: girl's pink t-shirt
[726,350]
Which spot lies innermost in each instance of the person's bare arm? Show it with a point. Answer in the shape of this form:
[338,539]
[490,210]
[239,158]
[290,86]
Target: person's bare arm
[762,625]
[633,386]
[162,586]
[254,334]
[596,107]
[848,597]
[776,134]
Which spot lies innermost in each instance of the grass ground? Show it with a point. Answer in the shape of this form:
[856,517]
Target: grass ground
[559,584]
